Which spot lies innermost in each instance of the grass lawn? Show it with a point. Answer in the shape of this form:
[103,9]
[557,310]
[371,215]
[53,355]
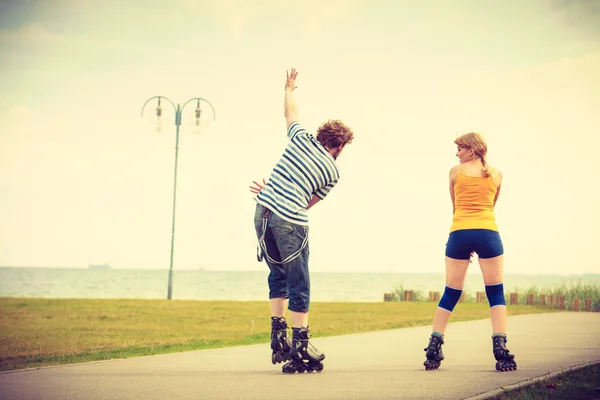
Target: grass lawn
[583,384]
[41,332]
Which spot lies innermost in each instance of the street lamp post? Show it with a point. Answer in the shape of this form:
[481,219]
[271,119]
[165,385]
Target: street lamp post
[178,111]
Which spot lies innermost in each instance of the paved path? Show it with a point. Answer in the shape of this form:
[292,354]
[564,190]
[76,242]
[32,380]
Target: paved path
[376,365]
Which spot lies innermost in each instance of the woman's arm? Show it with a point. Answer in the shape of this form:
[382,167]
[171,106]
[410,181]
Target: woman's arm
[497,177]
[452,178]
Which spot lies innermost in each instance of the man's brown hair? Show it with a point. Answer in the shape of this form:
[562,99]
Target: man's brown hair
[334,133]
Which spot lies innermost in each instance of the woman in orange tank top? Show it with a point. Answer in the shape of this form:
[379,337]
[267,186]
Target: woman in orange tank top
[474,190]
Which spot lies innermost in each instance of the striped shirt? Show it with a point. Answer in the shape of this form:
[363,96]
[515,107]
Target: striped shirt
[305,169]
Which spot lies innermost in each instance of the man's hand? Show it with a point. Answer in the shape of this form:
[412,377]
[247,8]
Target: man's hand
[258,187]
[290,82]
[289,105]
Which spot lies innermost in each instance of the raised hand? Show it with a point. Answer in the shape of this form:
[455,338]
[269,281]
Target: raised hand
[290,82]
[258,187]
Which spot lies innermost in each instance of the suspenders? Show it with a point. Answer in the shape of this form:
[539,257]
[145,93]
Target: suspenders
[261,249]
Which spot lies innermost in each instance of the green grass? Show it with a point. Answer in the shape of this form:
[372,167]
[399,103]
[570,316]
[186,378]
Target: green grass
[42,332]
[583,384]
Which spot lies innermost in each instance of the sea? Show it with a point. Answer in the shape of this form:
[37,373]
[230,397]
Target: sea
[112,283]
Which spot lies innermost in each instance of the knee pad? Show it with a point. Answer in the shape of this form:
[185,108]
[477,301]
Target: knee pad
[495,294]
[450,298]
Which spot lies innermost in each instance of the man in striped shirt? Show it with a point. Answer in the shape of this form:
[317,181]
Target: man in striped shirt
[304,175]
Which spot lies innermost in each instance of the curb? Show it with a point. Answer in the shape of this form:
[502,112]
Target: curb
[506,389]
[12,371]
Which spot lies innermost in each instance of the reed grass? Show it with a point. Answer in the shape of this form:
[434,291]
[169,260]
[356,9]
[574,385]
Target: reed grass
[569,291]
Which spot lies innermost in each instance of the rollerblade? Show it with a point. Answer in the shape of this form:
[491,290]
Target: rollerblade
[304,356]
[504,360]
[434,352]
[280,342]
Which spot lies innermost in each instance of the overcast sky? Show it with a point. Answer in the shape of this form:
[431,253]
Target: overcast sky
[85,179]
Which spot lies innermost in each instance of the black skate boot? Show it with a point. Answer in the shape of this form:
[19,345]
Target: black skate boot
[280,342]
[434,352]
[504,360]
[304,356]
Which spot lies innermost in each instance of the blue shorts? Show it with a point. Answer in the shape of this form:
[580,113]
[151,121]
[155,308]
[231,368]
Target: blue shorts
[290,280]
[486,243]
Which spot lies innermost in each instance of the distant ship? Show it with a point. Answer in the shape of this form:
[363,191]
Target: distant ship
[99,266]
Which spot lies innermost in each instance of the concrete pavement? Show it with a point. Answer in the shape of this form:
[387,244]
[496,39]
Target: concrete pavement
[375,365]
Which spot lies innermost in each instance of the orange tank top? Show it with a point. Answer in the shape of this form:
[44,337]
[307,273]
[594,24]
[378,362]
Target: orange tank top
[474,203]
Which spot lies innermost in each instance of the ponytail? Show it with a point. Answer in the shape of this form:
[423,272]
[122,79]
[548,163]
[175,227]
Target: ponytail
[485,171]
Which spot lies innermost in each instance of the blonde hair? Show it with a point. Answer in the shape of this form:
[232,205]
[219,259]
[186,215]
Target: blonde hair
[474,141]
[334,133]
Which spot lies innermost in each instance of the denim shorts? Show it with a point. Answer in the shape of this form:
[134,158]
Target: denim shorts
[282,238]
[486,243]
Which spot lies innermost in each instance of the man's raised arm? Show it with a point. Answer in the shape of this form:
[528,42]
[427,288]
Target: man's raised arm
[289,104]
